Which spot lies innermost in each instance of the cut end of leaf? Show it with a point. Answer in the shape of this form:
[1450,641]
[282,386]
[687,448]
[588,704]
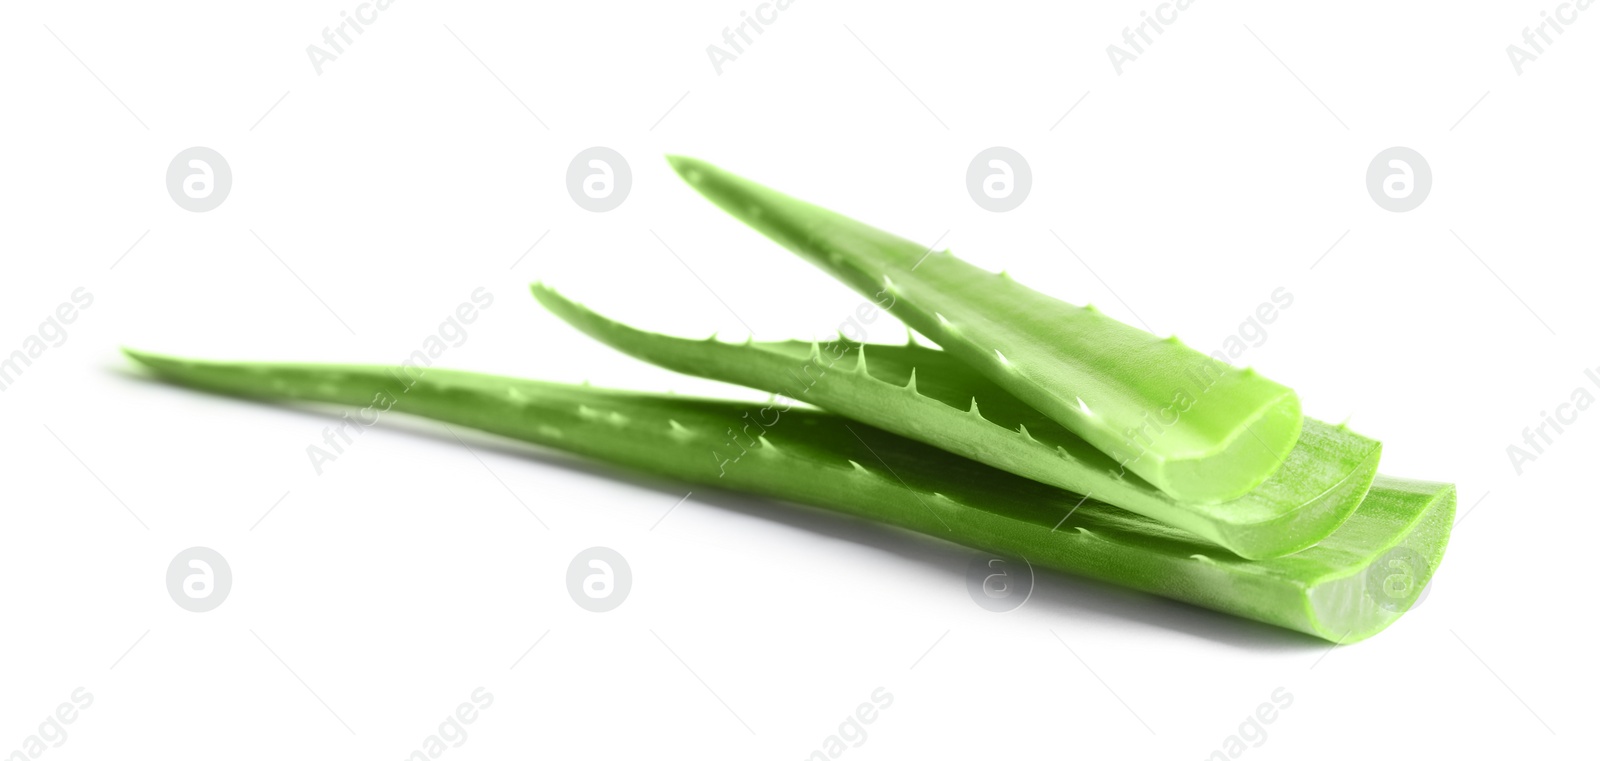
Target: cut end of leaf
[1366,599]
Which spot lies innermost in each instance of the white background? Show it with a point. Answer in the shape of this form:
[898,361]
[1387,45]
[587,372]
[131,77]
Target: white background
[374,598]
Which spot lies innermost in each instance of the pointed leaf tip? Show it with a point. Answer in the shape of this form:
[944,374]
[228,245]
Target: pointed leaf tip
[692,170]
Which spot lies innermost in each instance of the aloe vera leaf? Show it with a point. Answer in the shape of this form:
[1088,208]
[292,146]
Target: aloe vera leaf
[823,459]
[1194,427]
[926,394]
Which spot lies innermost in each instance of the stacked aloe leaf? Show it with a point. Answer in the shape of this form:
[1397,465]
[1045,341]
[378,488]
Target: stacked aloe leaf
[1039,430]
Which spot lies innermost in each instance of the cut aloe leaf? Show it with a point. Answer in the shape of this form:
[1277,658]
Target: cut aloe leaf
[823,459]
[926,394]
[1194,427]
